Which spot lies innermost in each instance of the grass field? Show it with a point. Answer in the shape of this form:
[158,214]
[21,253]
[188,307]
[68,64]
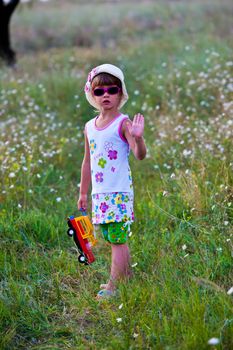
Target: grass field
[177,59]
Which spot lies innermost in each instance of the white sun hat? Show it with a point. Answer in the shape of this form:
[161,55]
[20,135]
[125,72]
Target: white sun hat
[105,68]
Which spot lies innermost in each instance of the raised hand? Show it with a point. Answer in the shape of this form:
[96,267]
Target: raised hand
[136,129]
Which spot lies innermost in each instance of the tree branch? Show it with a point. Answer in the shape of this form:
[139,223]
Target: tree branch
[6,11]
[10,7]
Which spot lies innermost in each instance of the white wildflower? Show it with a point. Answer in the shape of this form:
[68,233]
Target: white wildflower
[135,335]
[135,264]
[191,82]
[120,307]
[213,341]
[11,175]
[230,291]
[58,199]
[184,246]
[187,152]
[119,319]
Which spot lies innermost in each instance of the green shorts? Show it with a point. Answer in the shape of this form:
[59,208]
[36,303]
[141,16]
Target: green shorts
[115,232]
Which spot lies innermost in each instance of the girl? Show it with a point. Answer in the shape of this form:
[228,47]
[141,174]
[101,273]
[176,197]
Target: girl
[108,140]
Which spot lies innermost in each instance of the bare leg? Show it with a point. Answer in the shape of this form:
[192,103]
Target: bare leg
[120,269]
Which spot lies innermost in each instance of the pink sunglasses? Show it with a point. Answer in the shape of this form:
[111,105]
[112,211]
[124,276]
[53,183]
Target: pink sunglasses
[111,90]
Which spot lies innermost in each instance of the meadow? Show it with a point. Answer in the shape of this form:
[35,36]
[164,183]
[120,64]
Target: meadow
[177,60]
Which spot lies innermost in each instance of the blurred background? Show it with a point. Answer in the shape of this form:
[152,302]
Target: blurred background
[40,24]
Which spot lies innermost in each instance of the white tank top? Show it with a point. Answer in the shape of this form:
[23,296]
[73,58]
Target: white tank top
[109,152]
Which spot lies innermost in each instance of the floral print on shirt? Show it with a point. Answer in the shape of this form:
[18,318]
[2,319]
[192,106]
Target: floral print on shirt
[108,146]
[112,154]
[92,146]
[99,177]
[102,162]
[112,207]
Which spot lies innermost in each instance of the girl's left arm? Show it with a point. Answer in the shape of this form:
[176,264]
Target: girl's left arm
[133,132]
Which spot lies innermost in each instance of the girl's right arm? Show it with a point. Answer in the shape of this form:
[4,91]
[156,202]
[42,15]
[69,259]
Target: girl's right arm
[85,177]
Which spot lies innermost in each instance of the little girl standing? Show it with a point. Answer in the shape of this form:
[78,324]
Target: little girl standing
[108,140]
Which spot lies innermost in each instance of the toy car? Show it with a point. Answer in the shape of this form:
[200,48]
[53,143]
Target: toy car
[81,229]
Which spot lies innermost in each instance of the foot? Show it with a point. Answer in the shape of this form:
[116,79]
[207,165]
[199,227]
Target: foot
[110,285]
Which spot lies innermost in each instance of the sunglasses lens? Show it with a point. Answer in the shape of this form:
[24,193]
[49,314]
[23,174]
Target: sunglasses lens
[99,92]
[113,90]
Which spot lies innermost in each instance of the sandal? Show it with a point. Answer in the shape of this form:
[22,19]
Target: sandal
[105,294]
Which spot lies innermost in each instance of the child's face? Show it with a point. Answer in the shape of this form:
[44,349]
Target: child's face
[107,96]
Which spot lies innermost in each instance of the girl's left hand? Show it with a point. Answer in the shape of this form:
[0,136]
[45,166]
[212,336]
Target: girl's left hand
[136,129]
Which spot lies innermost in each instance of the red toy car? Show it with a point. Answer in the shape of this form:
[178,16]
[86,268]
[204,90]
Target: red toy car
[82,231]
